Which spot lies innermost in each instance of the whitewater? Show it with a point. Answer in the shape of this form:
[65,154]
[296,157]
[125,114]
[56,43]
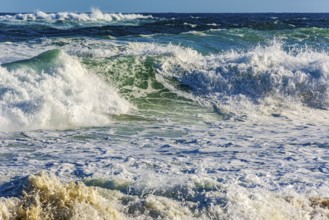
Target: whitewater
[164,116]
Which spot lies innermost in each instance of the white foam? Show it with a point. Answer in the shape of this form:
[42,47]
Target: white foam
[64,97]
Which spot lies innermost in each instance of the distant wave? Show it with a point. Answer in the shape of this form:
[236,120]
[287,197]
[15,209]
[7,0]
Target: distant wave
[94,16]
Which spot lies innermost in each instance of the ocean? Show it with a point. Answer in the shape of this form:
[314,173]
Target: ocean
[164,116]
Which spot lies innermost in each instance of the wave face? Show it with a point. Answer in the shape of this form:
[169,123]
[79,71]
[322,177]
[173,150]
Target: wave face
[53,90]
[164,116]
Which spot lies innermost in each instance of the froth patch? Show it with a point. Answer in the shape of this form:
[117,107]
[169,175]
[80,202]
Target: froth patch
[55,91]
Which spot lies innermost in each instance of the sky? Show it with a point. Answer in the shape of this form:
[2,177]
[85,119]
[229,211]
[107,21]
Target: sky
[166,5]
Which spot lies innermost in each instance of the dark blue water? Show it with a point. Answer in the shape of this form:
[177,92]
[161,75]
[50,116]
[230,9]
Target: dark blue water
[14,30]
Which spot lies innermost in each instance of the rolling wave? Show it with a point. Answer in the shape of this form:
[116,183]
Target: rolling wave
[265,75]
[298,75]
[163,77]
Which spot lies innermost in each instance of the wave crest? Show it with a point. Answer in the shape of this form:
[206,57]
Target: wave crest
[54,91]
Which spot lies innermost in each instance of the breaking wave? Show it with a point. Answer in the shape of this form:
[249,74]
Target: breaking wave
[257,76]
[54,91]
[271,75]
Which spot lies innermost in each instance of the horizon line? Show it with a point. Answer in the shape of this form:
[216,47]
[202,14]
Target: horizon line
[257,12]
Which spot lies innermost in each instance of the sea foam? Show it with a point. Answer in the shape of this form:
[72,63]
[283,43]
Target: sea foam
[46,197]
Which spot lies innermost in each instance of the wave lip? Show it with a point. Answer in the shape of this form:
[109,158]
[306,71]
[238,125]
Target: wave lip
[54,91]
